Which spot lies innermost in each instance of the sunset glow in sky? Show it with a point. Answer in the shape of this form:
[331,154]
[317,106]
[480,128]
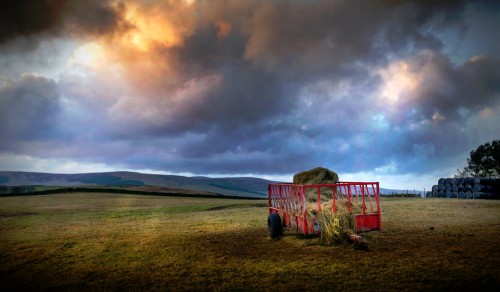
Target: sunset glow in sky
[393,91]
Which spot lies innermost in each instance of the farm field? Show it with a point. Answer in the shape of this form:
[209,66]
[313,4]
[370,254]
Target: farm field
[99,241]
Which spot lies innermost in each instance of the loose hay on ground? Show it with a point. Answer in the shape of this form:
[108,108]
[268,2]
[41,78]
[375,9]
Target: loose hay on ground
[335,227]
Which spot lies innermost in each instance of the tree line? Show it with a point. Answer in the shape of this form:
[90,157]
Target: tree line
[483,161]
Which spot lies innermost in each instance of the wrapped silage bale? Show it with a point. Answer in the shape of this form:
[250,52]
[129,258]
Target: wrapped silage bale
[434,192]
[481,195]
[461,195]
[468,195]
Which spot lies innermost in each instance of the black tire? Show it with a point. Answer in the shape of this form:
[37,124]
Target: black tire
[274,226]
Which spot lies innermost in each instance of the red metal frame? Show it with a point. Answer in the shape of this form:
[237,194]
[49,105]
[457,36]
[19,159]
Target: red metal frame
[289,201]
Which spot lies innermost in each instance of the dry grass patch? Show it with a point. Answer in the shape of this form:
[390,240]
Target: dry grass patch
[163,243]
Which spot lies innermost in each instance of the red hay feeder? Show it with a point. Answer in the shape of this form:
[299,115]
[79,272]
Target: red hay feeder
[288,204]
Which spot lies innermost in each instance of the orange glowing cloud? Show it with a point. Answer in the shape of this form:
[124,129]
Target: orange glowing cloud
[223,29]
[150,28]
[140,54]
[399,81]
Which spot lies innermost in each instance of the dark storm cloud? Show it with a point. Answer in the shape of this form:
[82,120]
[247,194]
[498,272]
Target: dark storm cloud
[448,89]
[27,18]
[331,36]
[448,98]
[275,49]
[279,47]
[95,17]
[267,87]
[29,110]
[471,87]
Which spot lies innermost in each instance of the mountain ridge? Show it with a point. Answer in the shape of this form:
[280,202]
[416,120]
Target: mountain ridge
[226,186]
[229,186]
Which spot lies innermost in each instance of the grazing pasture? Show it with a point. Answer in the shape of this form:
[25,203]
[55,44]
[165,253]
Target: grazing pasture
[89,241]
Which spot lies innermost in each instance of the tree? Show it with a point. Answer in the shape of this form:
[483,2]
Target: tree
[484,161]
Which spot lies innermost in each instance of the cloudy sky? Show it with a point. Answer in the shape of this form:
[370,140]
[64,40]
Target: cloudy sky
[388,90]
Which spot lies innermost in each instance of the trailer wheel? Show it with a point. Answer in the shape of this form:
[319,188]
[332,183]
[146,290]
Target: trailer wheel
[274,226]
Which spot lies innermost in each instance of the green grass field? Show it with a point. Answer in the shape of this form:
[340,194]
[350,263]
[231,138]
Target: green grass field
[87,241]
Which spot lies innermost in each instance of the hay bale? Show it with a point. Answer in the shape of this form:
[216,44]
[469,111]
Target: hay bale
[318,175]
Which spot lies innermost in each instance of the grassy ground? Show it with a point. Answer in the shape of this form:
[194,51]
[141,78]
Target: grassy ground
[115,242]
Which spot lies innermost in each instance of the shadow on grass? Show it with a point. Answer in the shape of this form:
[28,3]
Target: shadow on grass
[248,259]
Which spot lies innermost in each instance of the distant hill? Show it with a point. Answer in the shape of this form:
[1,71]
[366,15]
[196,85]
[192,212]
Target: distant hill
[228,186]
[232,186]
